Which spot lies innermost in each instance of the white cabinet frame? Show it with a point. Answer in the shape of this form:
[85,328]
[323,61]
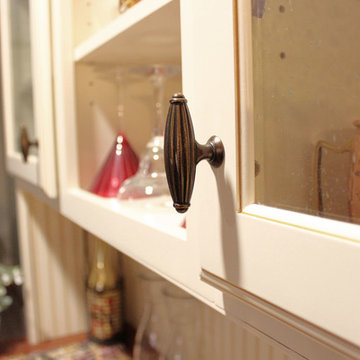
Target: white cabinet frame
[39,170]
[304,265]
[251,250]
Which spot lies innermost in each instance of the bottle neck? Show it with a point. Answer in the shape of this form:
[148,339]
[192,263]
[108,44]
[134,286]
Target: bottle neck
[101,258]
[103,274]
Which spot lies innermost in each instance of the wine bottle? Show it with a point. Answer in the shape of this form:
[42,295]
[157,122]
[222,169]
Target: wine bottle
[104,296]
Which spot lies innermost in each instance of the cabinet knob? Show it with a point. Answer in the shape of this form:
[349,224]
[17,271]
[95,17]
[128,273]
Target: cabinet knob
[25,143]
[182,152]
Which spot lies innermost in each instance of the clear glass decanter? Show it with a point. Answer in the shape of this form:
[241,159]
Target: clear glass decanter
[183,343]
[150,338]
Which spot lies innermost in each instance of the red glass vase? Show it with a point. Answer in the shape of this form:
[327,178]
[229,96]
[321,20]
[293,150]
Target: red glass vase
[120,164]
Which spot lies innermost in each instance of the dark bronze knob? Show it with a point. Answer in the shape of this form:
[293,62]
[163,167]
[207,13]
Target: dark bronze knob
[182,152]
[25,143]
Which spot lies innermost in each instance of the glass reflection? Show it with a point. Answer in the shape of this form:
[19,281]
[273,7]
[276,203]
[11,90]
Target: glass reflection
[306,97]
[21,70]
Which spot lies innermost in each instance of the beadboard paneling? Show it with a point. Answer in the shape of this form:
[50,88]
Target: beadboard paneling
[220,338]
[52,259]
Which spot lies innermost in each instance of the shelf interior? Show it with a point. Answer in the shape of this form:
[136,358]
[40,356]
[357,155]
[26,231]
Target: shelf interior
[147,33]
[97,121]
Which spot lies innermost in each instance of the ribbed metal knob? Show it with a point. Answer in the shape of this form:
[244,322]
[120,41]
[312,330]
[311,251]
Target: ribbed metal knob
[182,152]
[25,143]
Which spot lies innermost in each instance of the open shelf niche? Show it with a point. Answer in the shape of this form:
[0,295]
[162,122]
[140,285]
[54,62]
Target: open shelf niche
[147,34]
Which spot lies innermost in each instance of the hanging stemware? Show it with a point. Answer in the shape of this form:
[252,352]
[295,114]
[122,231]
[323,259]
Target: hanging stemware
[121,162]
[150,179]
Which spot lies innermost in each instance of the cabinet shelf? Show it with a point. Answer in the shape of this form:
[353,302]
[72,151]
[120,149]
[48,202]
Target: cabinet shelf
[132,228]
[147,33]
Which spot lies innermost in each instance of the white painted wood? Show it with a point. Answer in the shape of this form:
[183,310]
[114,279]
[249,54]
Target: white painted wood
[41,57]
[125,230]
[29,288]
[206,49]
[64,92]
[41,169]
[218,337]
[227,340]
[75,283]
[15,165]
[84,207]
[44,277]
[25,171]
[53,261]
[148,33]
[6,71]
[305,272]
[129,227]
[38,193]
[91,16]
[251,346]
[59,291]
[245,160]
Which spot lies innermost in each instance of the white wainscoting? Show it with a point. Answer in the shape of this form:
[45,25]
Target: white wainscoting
[52,258]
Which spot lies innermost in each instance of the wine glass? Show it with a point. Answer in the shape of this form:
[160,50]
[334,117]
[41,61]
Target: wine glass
[150,179]
[121,162]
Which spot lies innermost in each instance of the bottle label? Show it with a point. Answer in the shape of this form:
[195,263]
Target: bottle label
[105,313]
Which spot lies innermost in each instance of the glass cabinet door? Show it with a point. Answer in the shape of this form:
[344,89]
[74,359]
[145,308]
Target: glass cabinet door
[21,75]
[307,106]
[280,87]
[27,91]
